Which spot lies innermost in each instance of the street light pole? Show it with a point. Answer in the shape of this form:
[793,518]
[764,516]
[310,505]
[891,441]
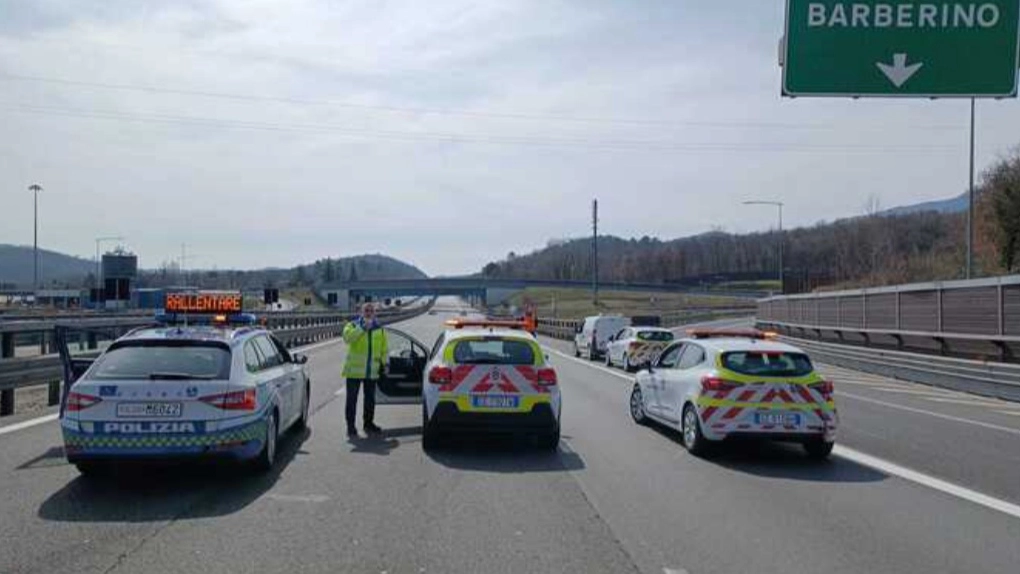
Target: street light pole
[35,189]
[779,205]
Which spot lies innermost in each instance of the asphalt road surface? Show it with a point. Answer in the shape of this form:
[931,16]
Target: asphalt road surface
[918,485]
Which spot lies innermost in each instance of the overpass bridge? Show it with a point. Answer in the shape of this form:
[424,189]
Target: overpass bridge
[487,291]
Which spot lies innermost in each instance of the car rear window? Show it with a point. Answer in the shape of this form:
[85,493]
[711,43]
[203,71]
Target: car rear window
[163,360]
[768,364]
[493,351]
[655,335]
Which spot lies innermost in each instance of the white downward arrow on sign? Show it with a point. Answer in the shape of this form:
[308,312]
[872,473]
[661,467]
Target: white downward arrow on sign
[899,72]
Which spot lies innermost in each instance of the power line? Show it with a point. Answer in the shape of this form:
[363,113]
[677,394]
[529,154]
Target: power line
[443,137]
[658,122]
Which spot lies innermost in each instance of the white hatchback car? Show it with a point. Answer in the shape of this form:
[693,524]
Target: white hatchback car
[717,385]
[635,347]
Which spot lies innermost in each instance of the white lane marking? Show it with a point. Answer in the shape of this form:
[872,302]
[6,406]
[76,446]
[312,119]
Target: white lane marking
[931,413]
[339,392]
[966,401]
[906,391]
[841,382]
[674,571]
[602,368]
[29,423]
[926,480]
[298,497]
[1014,413]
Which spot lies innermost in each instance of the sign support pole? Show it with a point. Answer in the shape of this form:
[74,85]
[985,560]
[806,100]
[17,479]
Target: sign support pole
[970,199]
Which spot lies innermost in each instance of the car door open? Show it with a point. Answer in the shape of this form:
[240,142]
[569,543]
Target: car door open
[405,369]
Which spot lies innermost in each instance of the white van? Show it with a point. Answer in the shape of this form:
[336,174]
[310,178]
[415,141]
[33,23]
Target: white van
[593,335]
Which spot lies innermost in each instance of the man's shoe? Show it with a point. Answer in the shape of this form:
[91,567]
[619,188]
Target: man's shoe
[352,432]
[372,428]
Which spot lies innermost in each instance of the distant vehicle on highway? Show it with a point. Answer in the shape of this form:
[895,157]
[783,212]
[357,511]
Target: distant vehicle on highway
[593,334]
[718,385]
[490,376]
[220,388]
[635,347]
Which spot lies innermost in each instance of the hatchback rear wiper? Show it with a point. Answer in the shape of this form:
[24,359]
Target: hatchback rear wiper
[178,377]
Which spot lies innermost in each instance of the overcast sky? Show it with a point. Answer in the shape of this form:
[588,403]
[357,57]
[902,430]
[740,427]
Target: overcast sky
[444,133]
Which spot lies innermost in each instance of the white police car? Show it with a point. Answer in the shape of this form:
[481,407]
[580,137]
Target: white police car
[186,391]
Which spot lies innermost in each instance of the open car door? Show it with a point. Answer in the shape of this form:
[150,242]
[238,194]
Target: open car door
[405,370]
[73,366]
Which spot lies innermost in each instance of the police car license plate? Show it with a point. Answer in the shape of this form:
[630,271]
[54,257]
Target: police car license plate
[149,410]
[494,402]
[781,419]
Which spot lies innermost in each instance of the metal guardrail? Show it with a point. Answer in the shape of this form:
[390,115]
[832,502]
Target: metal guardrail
[973,319]
[990,379]
[293,329]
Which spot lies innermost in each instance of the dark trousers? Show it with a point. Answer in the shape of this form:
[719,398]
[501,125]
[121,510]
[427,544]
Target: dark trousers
[368,416]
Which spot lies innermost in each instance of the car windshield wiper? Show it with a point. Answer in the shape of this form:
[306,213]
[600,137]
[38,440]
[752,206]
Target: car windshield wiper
[178,377]
[483,362]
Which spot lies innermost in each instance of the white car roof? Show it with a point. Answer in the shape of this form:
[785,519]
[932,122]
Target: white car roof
[465,332]
[726,344]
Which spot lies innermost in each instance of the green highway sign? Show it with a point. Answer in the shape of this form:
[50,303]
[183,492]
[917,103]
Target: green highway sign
[901,48]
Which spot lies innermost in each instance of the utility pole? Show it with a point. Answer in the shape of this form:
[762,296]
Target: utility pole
[970,199]
[35,189]
[595,251]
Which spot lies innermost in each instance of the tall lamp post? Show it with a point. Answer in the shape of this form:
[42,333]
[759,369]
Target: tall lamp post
[35,189]
[779,205]
[99,265]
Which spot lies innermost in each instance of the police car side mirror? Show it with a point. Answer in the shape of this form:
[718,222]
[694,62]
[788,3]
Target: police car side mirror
[299,358]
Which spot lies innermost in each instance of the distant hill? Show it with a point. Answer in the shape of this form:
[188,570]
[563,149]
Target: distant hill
[16,267]
[322,272]
[956,204]
[872,250]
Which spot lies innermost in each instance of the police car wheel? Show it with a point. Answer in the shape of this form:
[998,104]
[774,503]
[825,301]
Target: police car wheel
[88,469]
[302,422]
[267,457]
[819,449]
[637,406]
[429,434]
[549,441]
[694,441]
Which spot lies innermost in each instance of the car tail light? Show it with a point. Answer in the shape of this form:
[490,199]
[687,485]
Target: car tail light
[441,375]
[245,400]
[80,402]
[709,383]
[547,377]
[825,388]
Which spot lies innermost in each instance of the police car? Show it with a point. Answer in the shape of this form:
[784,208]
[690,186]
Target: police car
[716,385]
[219,389]
[490,376]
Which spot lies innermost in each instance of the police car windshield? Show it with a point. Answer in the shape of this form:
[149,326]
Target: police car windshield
[768,364]
[493,352]
[655,335]
[164,360]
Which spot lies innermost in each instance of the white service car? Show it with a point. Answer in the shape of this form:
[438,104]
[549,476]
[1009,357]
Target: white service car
[593,334]
[635,347]
[490,377]
[718,385]
[174,392]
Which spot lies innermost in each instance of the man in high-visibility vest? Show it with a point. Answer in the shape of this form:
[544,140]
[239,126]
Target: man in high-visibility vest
[365,364]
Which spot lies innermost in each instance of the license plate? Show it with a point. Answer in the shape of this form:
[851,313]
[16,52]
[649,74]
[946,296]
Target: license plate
[168,410]
[494,402]
[779,419]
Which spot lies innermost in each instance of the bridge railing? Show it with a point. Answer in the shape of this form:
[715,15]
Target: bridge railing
[976,319]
